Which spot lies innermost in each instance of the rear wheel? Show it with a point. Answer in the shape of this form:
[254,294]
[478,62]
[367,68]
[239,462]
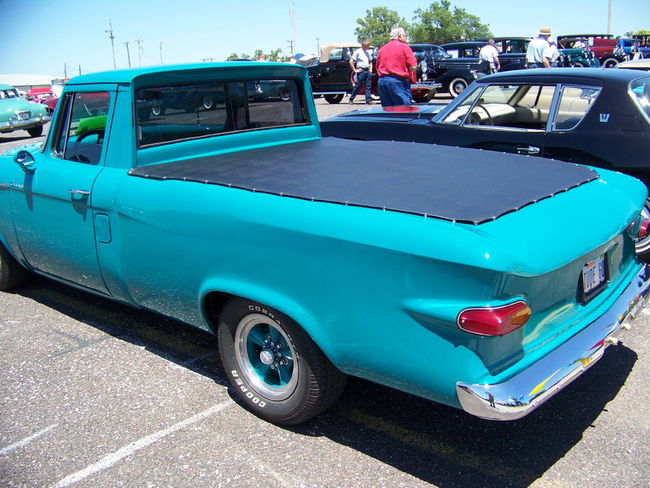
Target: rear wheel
[35,131]
[208,103]
[609,62]
[12,274]
[457,86]
[334,98]
[275,368]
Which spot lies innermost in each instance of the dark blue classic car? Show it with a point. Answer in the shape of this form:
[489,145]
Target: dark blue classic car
[582,115]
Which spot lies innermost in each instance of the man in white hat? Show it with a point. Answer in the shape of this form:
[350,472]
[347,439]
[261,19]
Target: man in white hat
[538,54]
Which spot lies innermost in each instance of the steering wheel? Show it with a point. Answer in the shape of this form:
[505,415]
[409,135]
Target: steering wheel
[475,119]
[93,132]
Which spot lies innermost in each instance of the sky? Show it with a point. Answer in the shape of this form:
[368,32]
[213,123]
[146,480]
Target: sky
[54,37]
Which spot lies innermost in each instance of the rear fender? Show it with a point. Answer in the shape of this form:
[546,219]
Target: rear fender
[271,298]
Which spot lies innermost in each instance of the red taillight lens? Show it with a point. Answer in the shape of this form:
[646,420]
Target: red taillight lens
[494,321]
[639,229]
[644,229]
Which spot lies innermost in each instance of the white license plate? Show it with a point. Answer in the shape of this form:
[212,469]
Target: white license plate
[594,275]
[22,115]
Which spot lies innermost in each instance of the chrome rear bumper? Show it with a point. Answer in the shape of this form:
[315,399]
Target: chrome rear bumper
[521,394]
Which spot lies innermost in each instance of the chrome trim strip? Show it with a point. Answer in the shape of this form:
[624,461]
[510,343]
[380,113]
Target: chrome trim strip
[521,394]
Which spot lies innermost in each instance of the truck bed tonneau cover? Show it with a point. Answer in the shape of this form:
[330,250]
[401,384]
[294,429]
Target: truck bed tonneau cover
[462,185]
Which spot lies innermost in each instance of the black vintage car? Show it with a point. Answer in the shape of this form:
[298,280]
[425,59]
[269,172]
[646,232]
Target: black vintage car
[583,115]
[512,50]
[331,77]
[453,73]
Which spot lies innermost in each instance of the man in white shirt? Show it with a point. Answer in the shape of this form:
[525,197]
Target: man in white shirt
[361,64]
[538,54]
[490,54]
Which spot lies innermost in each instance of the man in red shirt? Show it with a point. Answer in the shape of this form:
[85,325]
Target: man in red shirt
[396,67]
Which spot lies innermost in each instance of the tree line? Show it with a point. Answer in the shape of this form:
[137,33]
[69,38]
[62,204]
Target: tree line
[439,23]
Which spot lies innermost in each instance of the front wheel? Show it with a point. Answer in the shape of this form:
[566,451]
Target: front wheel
[275,368]
[334,98]
[12,274]
[457,86]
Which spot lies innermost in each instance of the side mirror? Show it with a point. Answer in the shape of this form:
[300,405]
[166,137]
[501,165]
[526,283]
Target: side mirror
[25,160]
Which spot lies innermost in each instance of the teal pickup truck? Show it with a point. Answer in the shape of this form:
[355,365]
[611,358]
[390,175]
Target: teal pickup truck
[481,280]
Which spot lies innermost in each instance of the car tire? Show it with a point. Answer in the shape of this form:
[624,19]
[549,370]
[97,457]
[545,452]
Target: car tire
[275,368]
[12,274]
[208,103]
[457,86]
[609,62]
[334,99]
[36,131]
[157,110]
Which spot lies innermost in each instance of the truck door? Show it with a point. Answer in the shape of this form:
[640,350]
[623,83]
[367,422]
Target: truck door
[54,214]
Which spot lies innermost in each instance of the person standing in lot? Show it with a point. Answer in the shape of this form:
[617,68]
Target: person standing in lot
[361,64]
[396,65]
[538,54]
[490,54]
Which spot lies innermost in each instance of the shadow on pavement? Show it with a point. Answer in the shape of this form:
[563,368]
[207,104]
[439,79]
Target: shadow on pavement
[435,443]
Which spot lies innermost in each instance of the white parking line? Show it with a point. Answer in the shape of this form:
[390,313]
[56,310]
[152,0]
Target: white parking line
[27,440]
[114,457]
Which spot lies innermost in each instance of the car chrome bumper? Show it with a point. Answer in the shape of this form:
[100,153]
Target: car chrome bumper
[521,394]
[22,124]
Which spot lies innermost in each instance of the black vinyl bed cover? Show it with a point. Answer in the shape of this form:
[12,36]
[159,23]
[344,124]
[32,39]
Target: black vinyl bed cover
[457,184]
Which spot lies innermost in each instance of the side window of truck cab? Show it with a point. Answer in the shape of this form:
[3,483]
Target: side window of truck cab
[80,135]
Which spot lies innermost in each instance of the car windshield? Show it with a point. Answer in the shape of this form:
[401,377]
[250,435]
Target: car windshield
[640,93]
[9,93]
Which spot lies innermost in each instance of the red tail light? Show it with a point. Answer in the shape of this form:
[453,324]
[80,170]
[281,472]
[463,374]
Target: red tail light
[494,321]
[639,229]
[644,229]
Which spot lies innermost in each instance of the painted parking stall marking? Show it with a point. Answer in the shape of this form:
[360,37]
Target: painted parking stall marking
[114,457]
[27,440]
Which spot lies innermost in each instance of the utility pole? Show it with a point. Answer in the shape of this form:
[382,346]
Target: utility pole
[65,70]
[111,37]
[318,45]
[609,17]
[292,16]
[290,46]
[79,69]
[139,41]
[161,61]
[128,54]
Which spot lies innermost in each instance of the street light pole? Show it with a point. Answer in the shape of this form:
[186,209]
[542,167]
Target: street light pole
[609,17]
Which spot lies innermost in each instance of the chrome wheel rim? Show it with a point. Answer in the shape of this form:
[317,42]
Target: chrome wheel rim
[266,357]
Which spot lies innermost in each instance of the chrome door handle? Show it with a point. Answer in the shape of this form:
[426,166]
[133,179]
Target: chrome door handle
[529,150]
[80,192]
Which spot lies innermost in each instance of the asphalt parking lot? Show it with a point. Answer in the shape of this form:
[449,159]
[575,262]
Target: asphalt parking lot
[96,394]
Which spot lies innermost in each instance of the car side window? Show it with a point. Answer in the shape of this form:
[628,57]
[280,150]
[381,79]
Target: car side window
[524,107]
[80,136]
[640,93]
[575,102]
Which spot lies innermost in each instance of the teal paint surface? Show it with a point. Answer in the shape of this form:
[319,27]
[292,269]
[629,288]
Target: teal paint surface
[378,291]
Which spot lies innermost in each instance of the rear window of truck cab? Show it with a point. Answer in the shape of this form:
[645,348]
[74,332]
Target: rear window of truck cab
[171,113]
